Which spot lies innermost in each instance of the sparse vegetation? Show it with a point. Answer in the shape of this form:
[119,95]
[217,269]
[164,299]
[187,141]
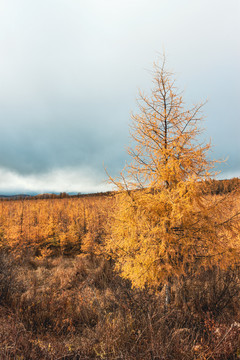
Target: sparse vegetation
[70,304]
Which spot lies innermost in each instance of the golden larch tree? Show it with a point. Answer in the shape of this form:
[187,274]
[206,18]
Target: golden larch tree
[163,225]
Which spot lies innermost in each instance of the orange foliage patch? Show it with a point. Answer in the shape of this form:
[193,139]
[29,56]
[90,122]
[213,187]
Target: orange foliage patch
[53,226]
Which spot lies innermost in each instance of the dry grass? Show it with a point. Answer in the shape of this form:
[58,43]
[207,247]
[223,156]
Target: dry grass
[76,307]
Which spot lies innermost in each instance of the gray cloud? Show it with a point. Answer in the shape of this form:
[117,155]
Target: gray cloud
[70,70]
[68,179]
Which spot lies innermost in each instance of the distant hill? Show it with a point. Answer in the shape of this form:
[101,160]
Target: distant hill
[15,196]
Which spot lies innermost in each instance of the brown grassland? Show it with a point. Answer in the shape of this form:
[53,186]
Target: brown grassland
[61,299]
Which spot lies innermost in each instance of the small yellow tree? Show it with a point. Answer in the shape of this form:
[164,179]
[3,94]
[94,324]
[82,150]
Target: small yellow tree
[163,226]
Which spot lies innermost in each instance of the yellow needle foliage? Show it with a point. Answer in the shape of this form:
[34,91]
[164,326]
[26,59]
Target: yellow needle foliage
[50,227]
[162,225]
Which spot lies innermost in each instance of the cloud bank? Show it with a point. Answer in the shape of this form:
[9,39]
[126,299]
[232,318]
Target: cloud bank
[61,180]
[70,73]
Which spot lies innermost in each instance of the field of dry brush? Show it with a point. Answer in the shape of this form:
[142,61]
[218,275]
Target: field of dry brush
[61,299]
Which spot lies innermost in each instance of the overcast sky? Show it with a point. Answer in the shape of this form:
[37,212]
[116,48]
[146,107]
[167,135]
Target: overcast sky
[70,71]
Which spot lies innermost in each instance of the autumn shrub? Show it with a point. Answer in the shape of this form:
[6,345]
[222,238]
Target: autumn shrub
[214,291]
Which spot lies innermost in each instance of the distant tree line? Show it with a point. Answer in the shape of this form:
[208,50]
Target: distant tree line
[215,187]
[62,195]
[221,187]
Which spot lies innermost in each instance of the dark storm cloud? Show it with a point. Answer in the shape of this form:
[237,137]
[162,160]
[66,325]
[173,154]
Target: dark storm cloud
[69,74]
[70,136]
